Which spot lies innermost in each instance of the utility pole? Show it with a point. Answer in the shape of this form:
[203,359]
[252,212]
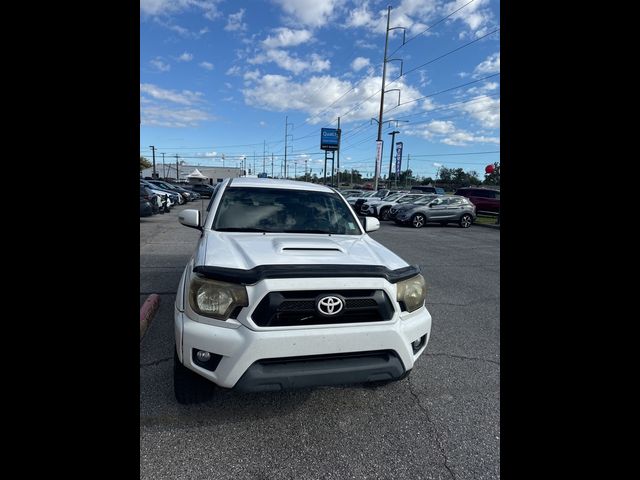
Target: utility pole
[338,152]
[408,177]
[384,74]
[382,92]
[272,165]
[153,150]
[393,140]
[286,137]
[264,156]
[164,175]
[177,171]
[306,178]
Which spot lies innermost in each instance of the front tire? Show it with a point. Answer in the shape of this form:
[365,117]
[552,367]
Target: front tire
[188,386]
[466,220]
[418,220]
[384,213]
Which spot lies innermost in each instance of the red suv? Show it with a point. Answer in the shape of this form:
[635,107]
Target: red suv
[485,199]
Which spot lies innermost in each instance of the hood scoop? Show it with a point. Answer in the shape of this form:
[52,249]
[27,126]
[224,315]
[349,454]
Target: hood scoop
[308,247]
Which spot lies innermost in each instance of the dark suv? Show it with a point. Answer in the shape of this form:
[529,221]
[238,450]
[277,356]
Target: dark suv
[485,199]
[426,189]
[203,189]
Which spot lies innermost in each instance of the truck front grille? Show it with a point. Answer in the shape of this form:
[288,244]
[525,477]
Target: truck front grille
[299,308]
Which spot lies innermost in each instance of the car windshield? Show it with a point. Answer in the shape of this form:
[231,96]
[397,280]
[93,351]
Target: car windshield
[424,199]
[393,197]
[409,198]
[246,209]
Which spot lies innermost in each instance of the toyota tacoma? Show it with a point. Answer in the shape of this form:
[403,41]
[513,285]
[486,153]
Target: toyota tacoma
[286,290]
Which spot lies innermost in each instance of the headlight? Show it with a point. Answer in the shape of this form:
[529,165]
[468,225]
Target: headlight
[215,299]
[412,292]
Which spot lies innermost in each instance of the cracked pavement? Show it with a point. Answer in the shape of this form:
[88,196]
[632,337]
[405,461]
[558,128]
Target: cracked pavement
[442,422]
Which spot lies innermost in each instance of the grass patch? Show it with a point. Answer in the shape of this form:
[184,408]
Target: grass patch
[486,220]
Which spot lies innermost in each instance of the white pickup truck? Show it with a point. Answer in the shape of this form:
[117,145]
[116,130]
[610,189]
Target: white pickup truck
[286,290]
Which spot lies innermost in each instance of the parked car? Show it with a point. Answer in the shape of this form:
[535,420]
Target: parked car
[485,199]
[350,192]
[380,208]
[286,290]
[146,210]
[186,194]
[165,200]
[398,207]
[357,202]
[443,210]
[203,189]
[426,189]
[173,197]
[152,198]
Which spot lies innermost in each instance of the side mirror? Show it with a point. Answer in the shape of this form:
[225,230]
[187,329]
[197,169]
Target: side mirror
[371,224]
[190,218]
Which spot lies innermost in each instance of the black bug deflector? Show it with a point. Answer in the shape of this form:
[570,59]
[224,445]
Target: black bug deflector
[249,277]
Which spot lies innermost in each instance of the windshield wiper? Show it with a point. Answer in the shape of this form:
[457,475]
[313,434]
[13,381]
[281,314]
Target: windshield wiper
[306,231]
[242,229]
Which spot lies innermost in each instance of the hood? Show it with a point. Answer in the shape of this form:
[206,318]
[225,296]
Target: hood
[249,250]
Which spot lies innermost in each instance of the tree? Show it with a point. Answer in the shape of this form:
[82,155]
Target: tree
[144,163]
[493,178]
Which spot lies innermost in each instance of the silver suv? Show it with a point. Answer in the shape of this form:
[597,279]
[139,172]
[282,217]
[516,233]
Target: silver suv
[444,209]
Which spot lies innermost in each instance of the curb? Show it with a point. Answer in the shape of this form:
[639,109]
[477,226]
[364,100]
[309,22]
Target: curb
[486,226]
[147,311]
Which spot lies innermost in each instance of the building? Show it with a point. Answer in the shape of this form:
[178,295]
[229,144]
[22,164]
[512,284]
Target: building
[212,175]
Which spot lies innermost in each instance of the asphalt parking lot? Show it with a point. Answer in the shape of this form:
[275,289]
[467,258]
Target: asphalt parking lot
[442,422]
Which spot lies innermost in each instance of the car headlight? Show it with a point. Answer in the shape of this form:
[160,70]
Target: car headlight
[215,299]
[412,293]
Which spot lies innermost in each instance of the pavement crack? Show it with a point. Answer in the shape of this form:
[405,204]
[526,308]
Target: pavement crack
[426,413]
[461,357]
[156,362]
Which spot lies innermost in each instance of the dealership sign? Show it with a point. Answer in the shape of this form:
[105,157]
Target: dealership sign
[330,139]
[398,157]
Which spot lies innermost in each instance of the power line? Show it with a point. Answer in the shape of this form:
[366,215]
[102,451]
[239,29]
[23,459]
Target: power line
[430,27]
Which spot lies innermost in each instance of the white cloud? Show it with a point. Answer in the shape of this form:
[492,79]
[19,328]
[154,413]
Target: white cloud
[485,110]
[280,93]
[461,139]
[167,116]
[185,57]
[206,65]
[160,65]
[313,13]
[490,65]
[476,16]
[169,108]
[359,63]
[263,123]
[207,154]
[186,97]
[445,131]
[296,65]
[234,21]
[235,70]
[183,32]
[167,7]
[362,44]
[251,75]
[487,87]
[286,37]
[463,74]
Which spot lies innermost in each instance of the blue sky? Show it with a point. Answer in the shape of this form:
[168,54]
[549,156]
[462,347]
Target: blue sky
[220,77]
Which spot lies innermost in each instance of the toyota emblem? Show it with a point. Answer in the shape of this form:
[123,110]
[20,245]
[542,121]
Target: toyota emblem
[330,305]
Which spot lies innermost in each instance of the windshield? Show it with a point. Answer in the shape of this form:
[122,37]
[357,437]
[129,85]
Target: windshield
[409,198]
[425,199]
[393,197]
[246,209]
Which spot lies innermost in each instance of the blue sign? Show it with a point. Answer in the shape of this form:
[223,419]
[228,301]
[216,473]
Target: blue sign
[330,139]
[398,158]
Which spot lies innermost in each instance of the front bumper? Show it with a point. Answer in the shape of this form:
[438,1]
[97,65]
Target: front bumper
[243,349]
